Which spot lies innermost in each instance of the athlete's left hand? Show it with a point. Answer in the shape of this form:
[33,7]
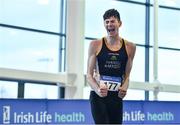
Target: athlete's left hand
[122,92]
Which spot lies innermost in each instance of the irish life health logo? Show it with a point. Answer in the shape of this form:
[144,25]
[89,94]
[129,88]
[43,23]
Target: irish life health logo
[6,114]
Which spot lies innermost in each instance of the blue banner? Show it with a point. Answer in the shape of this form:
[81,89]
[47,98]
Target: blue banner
[151,112]
[42,111]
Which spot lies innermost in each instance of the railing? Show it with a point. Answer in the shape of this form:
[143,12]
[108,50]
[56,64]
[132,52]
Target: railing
[63,79]
[22,77]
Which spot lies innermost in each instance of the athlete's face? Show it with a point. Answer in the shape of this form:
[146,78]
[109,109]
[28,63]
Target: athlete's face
[112,26]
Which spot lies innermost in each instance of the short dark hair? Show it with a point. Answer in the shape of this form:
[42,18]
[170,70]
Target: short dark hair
[111,13]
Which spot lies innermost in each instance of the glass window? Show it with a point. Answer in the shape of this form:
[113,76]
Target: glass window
[165,96]
[28,50]
[133,25]
[168,66]
[168,28]
[20,49]
[37,14]
[8,89]
[142,1]
[170,3]
[40,91]
[138,69]
[168,60]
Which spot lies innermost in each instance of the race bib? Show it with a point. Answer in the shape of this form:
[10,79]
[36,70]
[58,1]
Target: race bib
[113,83]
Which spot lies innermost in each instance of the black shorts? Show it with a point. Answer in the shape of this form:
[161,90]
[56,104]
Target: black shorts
[106,110]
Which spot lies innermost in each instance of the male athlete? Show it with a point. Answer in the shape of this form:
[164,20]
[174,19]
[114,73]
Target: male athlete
[110,61]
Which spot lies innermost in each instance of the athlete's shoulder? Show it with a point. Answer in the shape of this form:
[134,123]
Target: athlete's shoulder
[130,47]
[96,43]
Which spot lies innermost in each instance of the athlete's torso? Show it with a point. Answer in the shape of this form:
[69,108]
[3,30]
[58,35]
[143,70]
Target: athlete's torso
[112,64]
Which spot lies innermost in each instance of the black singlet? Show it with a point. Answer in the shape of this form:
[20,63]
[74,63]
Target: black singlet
[112,63]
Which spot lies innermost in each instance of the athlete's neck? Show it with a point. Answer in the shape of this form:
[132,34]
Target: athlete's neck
[113,40]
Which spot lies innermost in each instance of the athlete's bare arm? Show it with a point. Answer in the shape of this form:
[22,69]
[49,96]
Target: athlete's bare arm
[131,49]
[93,49]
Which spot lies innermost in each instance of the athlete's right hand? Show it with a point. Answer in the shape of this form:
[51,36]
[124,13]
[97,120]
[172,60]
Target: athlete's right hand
[103,90]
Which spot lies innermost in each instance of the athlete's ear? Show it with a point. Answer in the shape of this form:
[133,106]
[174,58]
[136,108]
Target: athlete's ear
[120,23]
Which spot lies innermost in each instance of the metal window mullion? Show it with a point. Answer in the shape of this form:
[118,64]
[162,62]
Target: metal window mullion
[147,29]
